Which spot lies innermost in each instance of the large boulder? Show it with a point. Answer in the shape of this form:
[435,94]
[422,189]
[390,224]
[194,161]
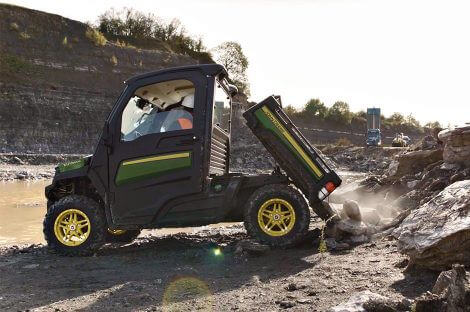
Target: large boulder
[413,162]
[457,145]
[437,234]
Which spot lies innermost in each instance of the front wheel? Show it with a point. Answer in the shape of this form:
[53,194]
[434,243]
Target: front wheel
[277,215]
[74,226]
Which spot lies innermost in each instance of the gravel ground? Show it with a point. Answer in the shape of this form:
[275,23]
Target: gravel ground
[203,271]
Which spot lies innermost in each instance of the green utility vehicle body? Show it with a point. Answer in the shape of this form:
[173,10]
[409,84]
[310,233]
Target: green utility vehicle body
[144,178]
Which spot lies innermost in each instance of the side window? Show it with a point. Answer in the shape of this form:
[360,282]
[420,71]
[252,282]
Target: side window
[157,108]
[221,108]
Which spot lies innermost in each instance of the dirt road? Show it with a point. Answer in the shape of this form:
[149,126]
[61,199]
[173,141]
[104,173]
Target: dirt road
[200,271]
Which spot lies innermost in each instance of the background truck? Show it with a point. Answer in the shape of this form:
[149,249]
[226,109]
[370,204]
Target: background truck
[373,136]
[163,161]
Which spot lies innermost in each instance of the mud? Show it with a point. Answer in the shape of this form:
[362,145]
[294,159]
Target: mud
[201,271]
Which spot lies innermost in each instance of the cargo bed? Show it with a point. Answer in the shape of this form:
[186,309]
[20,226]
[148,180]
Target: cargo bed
[301,162]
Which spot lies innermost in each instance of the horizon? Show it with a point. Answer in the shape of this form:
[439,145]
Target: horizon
[405,57]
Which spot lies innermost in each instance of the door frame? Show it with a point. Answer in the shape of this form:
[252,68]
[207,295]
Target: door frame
[197,133]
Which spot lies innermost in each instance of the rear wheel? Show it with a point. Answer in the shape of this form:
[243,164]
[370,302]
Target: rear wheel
[74,226]
[121,236]
[277,215]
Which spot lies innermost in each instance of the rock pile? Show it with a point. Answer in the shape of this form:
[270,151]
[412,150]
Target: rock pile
[360,159]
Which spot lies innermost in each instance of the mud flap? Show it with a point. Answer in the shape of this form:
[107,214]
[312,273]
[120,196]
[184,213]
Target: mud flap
[302,163]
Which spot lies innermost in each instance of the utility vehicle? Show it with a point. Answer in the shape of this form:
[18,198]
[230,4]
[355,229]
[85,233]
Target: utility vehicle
[162,160]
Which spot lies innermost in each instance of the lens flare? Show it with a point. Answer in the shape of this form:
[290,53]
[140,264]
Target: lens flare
[186,288]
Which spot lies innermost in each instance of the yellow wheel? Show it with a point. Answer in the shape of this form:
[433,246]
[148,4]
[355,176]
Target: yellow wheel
[121,236]
[276,217]
[72,227]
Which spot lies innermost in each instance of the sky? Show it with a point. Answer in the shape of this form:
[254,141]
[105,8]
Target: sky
[407,56]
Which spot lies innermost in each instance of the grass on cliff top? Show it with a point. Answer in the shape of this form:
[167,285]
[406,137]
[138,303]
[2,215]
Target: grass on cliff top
[96,37]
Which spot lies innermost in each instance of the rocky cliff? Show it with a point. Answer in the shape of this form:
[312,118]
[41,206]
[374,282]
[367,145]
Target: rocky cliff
[58,81]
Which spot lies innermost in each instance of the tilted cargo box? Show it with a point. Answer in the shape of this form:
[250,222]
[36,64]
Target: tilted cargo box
[301,162]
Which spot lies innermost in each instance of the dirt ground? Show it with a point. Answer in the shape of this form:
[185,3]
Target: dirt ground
[201,271]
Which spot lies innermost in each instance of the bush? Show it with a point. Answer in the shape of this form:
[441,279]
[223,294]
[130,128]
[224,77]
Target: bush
[24,35]
[14,26]
[95,36]
[135,24]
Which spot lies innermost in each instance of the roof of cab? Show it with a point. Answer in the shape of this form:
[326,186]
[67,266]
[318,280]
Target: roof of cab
[208,69]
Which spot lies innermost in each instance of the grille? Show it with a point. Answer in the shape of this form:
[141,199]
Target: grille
[218,164]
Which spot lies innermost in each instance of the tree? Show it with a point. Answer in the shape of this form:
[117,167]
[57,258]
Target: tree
[315,107]
[230,54]
[432,125]
[396,119]
[290,110]
[412,122]
[340,113]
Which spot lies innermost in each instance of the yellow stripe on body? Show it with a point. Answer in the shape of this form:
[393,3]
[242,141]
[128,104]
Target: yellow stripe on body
[156,158]
[291,140]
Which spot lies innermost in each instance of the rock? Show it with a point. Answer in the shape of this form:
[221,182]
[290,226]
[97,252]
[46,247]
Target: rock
[342,246]
[413,162]
[428,142]
[357,301]
[457,146]
[412,184]
[252,247]
[255,280]
[16,160]
[442,282]
[459,176]
[436,234]
[371,216]
[330,243]
[451,293]
[304,300]
[447,166]
[436,185]
[286,304]
[294,286]
[359,239]
[352,211]
[351,227]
